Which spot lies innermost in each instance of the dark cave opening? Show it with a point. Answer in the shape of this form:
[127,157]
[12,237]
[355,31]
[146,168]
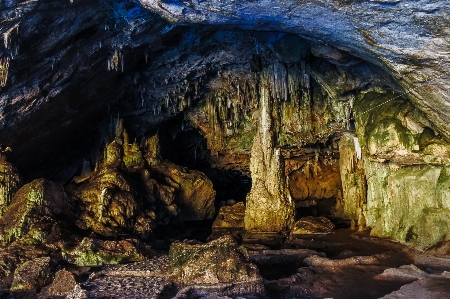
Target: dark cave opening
[183,144]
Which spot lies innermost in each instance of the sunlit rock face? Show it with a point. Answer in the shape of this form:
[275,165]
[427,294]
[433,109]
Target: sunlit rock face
[407,38]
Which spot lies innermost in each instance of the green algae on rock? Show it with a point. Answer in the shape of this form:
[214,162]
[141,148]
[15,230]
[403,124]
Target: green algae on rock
[218,261]
[96,252]
[34,208]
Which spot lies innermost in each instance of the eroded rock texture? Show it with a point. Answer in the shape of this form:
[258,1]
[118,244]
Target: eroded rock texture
[219,261]
[339,105]
[409,39]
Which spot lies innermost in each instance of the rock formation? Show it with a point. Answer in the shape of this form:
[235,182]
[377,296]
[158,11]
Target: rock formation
[33,212]
[335,108]
[269,206]
[132,189]
[410,40]
[96,252]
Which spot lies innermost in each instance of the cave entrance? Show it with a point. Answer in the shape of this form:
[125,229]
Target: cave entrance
[183,145]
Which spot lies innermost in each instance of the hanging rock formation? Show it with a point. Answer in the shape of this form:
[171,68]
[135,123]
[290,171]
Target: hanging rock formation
[408,39]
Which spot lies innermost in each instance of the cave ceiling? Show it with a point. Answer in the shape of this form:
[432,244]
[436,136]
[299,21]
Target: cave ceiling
[71,69]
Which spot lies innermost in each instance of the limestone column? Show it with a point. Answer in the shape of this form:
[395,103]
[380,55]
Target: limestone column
[269,206]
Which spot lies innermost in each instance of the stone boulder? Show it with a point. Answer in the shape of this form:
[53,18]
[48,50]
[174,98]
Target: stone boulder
[33,274]
[107,199]
[312,226]
[62,285]
[95,252]
[33,211]
[219,261]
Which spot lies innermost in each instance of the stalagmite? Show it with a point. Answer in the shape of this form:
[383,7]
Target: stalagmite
[269,205]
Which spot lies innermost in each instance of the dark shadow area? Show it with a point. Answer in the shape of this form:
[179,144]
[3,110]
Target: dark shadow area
[184,145]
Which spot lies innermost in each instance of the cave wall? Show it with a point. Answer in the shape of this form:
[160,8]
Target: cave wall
[359,82]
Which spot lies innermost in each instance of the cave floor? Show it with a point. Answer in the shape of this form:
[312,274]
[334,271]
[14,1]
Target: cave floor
[341,265]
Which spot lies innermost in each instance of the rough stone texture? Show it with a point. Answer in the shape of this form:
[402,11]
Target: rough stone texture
[269,206]
[312,225]
[132,190]
[33,211]
[10,182]
[409,39]
[219,261]
[95,252]
[32,275]
[407,204]
[186,194]
[230,217]
[108,201]
[353,178]
[407,182]
[62,285]
[317,180]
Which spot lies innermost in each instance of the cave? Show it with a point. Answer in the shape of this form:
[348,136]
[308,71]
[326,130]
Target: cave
[214,149]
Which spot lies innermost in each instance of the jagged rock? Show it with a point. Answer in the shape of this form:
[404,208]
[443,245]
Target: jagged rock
[353,178]
[33,274]
[33,211]
[400,188]
[219,261]
[109,204]
[312,225]
[133,189]
[10,182]
[316,182]
[62,285]
[96,252]
[356,27]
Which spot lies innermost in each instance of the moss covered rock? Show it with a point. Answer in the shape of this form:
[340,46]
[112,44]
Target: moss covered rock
[408,204]
[33,209]
[219,261]
[10,182]
[96,252]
